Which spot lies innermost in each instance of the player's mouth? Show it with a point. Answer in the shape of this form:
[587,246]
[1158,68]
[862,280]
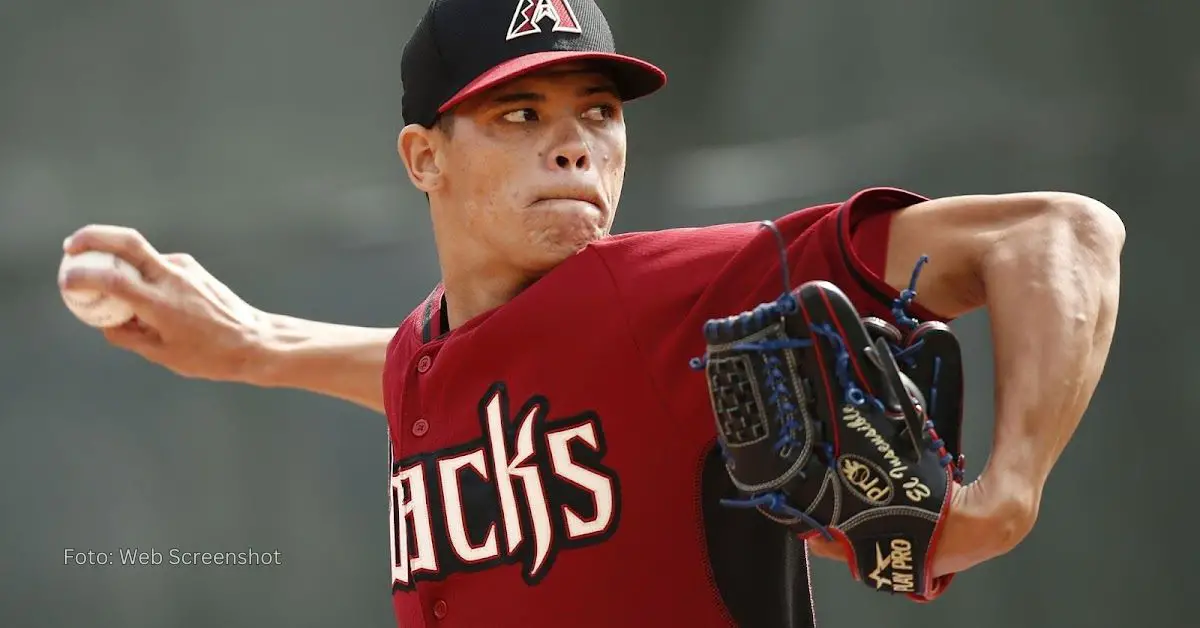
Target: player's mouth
[583,196]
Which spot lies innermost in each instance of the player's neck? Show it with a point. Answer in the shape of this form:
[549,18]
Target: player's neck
[476,281]
[471,294]
[475,278]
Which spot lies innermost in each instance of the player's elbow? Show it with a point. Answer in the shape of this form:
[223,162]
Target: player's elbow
[1046,226]
[1090,223]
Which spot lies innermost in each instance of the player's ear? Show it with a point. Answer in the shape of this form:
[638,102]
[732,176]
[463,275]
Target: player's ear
[418,148]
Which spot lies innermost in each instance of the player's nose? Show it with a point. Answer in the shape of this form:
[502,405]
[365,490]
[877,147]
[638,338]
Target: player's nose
[571,152]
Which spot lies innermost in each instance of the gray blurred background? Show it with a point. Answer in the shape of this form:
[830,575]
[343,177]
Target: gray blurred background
[259,136]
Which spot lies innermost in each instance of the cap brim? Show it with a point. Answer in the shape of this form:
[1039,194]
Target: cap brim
[634,78]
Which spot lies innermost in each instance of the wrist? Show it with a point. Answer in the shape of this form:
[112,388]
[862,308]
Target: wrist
[1016,482]
[1012,497]
[987,519]
[265,344]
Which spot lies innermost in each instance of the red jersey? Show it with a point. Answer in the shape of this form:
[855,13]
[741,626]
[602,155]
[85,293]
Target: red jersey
[547,455]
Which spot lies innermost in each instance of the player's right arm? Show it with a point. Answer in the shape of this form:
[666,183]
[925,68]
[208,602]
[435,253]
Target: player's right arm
[341,361]
[192,324]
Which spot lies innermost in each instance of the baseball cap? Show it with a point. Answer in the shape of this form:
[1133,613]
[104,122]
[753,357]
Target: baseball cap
[463,47]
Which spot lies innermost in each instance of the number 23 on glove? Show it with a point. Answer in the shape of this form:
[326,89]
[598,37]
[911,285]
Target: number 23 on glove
[842,427]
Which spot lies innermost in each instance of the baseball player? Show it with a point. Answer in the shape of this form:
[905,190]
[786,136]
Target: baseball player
[555,461]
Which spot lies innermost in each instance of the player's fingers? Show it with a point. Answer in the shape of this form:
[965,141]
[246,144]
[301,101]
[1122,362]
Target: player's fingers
[206,283]
[136,292]
[182,260]
[191,267]
[128,244]
[133,336]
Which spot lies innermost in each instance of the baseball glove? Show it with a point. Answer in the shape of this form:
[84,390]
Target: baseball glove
[845,427]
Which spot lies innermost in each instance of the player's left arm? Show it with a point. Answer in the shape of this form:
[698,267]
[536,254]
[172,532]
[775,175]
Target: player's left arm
[1047,268]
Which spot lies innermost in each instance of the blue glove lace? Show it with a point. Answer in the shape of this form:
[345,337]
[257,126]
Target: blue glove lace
[900,307]
[779,395]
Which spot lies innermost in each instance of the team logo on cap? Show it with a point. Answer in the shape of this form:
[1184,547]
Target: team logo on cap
[530,13]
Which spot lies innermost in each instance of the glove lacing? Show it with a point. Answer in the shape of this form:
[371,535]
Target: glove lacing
[900,308]
[779,393]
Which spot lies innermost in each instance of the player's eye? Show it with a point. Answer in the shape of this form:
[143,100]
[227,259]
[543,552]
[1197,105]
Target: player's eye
[600,113]
[521,115]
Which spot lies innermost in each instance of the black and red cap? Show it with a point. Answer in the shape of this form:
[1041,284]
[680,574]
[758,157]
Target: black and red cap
[462,47]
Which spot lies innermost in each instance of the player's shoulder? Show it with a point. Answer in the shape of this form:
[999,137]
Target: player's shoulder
[731,235]
[685,245]
[818,234]
[679,241]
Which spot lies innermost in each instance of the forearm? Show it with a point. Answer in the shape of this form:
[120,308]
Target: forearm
[339,361]
[1051,286]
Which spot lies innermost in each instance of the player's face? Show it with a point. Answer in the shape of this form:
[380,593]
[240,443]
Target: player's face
[534,168]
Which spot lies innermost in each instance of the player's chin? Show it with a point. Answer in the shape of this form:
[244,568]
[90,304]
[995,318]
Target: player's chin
[551,245]
[570,224]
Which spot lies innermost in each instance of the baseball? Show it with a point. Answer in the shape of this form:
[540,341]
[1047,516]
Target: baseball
[91,306]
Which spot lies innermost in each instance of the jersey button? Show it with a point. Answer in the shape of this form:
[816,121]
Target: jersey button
[424,363]
[420,427]
[440,609]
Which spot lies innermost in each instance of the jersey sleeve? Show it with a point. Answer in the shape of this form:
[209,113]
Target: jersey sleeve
[672,282]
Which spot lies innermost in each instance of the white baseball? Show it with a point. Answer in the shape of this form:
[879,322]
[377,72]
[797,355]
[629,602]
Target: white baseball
[93,307]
